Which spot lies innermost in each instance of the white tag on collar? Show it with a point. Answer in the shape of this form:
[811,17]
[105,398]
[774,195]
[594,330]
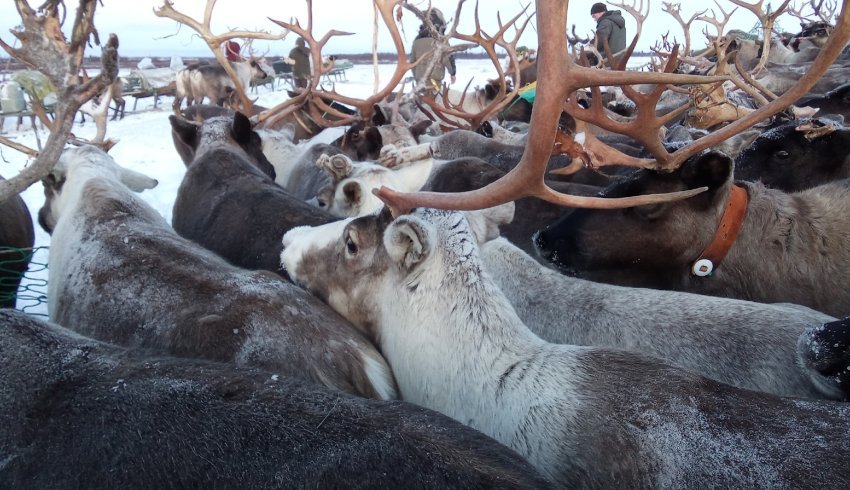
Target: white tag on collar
[702,268]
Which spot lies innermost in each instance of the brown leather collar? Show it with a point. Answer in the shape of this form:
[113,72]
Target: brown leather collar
[727,232]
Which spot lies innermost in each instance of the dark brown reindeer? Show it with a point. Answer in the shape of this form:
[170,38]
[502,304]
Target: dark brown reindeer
[797,155]
[228,201]
[738,239]
[16,241]
[167,421]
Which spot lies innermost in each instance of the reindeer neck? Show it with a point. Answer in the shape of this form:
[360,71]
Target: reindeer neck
[783,230]
[775,224]
[448,334]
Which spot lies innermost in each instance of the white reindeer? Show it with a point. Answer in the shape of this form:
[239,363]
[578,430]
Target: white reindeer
[350,191]
[119,273]
[584,416]
[742,343]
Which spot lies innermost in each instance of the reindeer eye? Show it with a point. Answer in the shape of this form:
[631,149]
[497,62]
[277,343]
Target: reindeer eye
[322,204]
[782,154]
[350,246]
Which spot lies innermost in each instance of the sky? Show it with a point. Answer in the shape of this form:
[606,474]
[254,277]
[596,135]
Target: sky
[141,33]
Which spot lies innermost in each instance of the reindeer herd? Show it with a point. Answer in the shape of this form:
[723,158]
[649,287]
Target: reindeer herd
[454,294]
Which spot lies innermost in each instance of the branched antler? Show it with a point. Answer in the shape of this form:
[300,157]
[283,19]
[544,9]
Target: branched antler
[644,128]
[767,21]
[44,47]
[214,41]
[314,100]
[636,11]
[718,23]
[575,39]
[823,14]
[489,43]
[559,76]
[675,10]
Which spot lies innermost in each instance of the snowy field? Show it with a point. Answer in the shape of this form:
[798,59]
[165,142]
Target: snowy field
[144,144]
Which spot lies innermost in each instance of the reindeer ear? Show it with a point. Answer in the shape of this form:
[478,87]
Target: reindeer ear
[136,181]
[352,192]
[735,145]
[420,128]
[408,241]
[486,129]
[186,131]
[379,118]
[491,90]
[485,223]
[711,169]
[241,128]
[337,167]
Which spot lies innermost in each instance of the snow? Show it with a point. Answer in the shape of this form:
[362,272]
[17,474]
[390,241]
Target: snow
[145,145]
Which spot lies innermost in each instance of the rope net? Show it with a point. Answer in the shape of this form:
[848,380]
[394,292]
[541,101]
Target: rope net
[26,285]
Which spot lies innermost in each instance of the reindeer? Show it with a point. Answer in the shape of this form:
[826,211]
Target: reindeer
[797,155]
[121,274]
[562,78]
[16,241]
[583,416]
[740,343]
[213,82]
[774,246]
[228,201]
[167,421]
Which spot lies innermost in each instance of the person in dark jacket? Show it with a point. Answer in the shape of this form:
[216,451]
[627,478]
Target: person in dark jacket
[610,27]
[301,70]
[425,43]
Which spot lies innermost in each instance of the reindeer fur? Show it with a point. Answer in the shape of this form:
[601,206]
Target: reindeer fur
[584,416]
[741,343]
[792,248]
[120,274]
[77,412]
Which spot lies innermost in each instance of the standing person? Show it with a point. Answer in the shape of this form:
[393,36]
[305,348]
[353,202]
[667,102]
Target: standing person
[231,51]
[301,71]
[610,27]
[424,43]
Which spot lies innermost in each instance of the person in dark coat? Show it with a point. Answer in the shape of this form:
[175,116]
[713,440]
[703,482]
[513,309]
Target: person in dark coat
[610,26]
[301,70]
[425,43]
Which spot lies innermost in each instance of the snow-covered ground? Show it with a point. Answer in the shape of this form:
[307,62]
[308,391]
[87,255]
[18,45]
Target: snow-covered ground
[145,145]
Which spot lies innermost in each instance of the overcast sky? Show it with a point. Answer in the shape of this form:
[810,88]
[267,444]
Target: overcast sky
[141,33]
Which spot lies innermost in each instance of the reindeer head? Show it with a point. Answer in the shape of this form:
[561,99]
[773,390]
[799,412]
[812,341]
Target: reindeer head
[77,165]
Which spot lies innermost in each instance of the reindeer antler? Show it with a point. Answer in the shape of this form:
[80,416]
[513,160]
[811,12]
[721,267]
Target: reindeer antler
[315,99]
[44,47]
[675,10]
[636,11]
[767,21]
[489,43]
[719,24]
[644,128]
[214,41]
[558,77]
